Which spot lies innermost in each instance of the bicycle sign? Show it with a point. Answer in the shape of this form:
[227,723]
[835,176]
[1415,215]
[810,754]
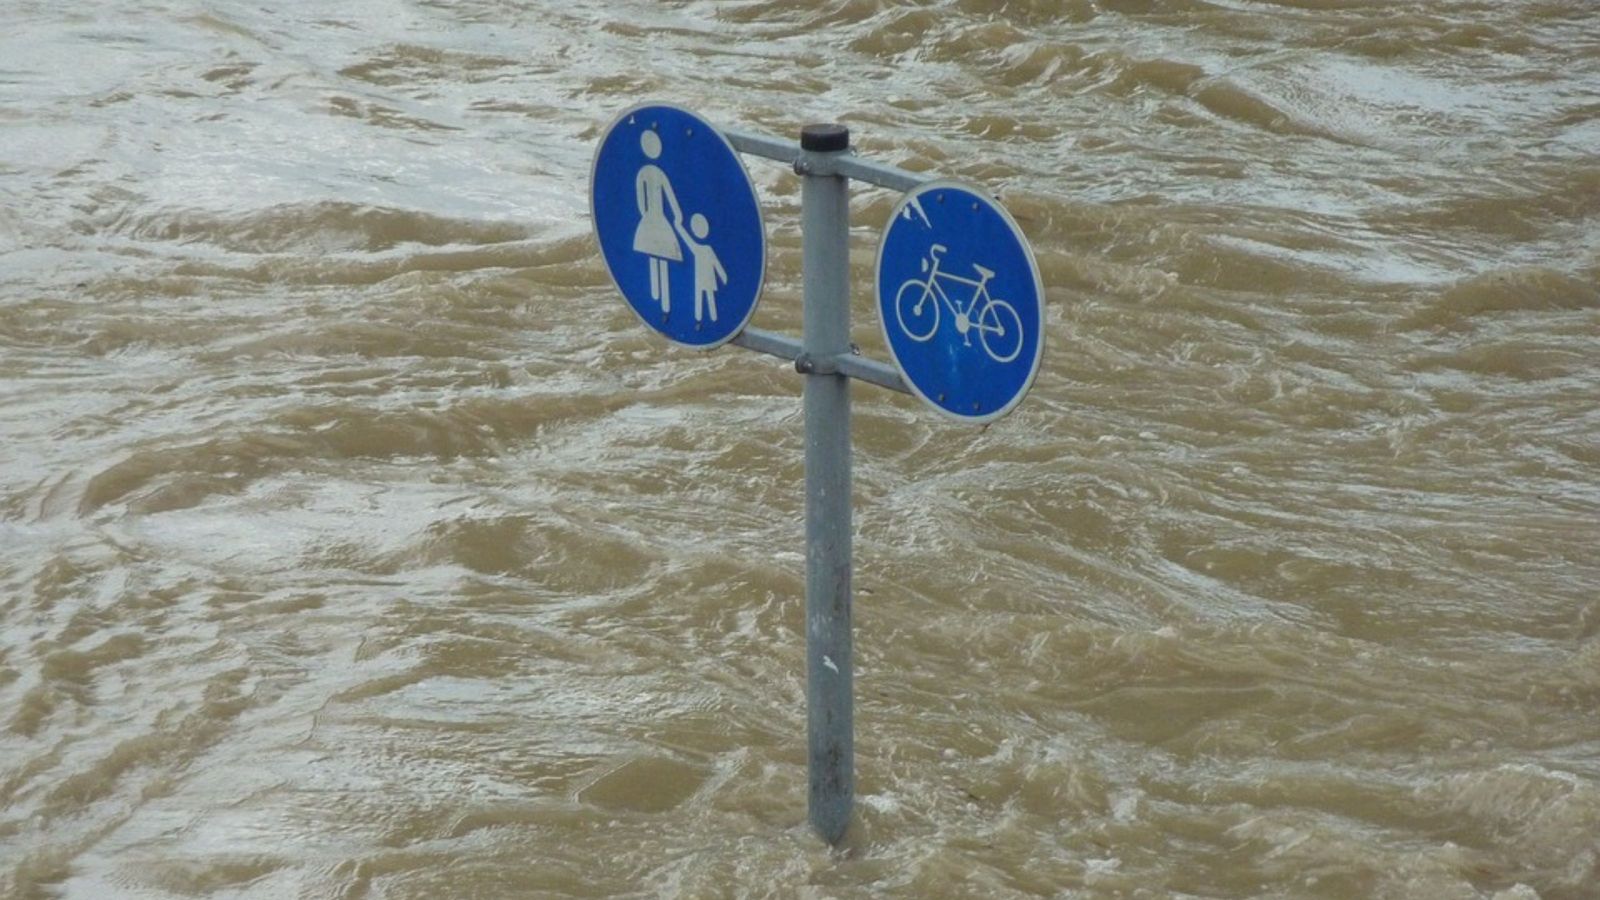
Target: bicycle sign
[960,301]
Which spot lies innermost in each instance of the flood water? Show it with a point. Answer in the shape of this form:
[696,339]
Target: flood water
[356,540]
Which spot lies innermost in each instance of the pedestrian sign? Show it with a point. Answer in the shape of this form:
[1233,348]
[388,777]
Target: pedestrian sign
[678,224]
[960,301]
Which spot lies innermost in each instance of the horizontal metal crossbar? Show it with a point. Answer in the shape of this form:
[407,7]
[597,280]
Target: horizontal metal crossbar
[850,365]
[845,164]
[848,166]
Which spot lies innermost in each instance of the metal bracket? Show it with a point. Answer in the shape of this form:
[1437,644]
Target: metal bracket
[851,365]
[845,164]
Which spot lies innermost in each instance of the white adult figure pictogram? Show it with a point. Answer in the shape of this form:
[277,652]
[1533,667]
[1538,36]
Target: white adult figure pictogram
[656,237]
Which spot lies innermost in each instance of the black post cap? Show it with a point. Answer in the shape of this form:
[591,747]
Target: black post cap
[829,138]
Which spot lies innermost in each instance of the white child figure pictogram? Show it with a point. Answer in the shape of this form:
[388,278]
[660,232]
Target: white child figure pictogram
[708,270]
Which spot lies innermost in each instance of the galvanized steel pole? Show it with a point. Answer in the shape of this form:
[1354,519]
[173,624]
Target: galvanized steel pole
[825,261]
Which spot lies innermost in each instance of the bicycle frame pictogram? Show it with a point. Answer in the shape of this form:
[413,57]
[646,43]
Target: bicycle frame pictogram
[917,307]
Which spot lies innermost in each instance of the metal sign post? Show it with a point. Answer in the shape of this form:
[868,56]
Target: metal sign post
[825,322]
[669,208]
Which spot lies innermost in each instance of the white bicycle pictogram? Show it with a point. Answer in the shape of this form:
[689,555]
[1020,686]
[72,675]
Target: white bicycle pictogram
[917,304]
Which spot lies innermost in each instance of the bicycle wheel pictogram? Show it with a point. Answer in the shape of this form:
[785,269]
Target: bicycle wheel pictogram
[917,309]
[1000,331]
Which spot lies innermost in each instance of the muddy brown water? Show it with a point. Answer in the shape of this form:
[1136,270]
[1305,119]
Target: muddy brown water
[355,540]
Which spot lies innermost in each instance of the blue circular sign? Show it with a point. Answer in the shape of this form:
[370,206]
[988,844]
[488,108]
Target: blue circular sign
[960,301]
[678,224]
